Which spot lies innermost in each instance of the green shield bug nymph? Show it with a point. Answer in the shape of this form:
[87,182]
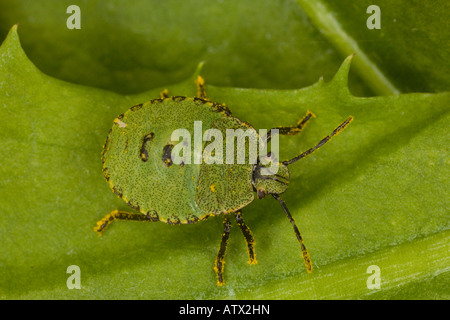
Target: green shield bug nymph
[139,165]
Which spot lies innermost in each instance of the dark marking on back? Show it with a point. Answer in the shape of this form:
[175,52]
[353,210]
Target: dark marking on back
[192,219]
[143,153]
[173,221]
[106,174]
[136,107]
[167,155]
[134,206]
[152,215]
[197,99]
[178,98]
[157,100]
[117,191]
[106,146]
[220,108]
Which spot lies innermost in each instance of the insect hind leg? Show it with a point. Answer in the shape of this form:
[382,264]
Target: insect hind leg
[122,215]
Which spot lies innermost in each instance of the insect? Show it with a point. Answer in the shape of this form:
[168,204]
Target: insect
[138,166]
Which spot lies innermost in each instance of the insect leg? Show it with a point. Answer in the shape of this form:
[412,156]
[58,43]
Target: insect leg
[248,238]
[164,94]
[122,215]
[292,130]
[321,142]
[220,259]
[306,256]
[201,91]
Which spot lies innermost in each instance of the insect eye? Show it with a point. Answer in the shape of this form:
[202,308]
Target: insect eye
[260,193]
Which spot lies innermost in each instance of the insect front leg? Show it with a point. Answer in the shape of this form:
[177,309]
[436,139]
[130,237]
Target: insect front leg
[201,90]
[293,130]
[164,94]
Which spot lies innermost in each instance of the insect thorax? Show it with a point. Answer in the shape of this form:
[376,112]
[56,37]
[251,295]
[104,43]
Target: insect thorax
[266,181]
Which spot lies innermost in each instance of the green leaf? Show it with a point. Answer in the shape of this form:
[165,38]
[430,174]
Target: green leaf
[131,48]
[409,51]
[375,195]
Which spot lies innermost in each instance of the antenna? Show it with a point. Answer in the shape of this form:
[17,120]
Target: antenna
[321,143]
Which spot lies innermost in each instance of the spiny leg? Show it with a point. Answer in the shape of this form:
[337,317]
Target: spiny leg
[306,256]
[201,91]
[321,143]
[220,259]
[248,238]
[164,94]
[122,215]
[292,130]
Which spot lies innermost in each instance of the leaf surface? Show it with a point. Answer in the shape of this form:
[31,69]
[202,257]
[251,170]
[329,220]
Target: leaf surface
[377,194]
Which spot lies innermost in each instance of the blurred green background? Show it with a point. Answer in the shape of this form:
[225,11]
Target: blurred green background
[132,46]
[377,194]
